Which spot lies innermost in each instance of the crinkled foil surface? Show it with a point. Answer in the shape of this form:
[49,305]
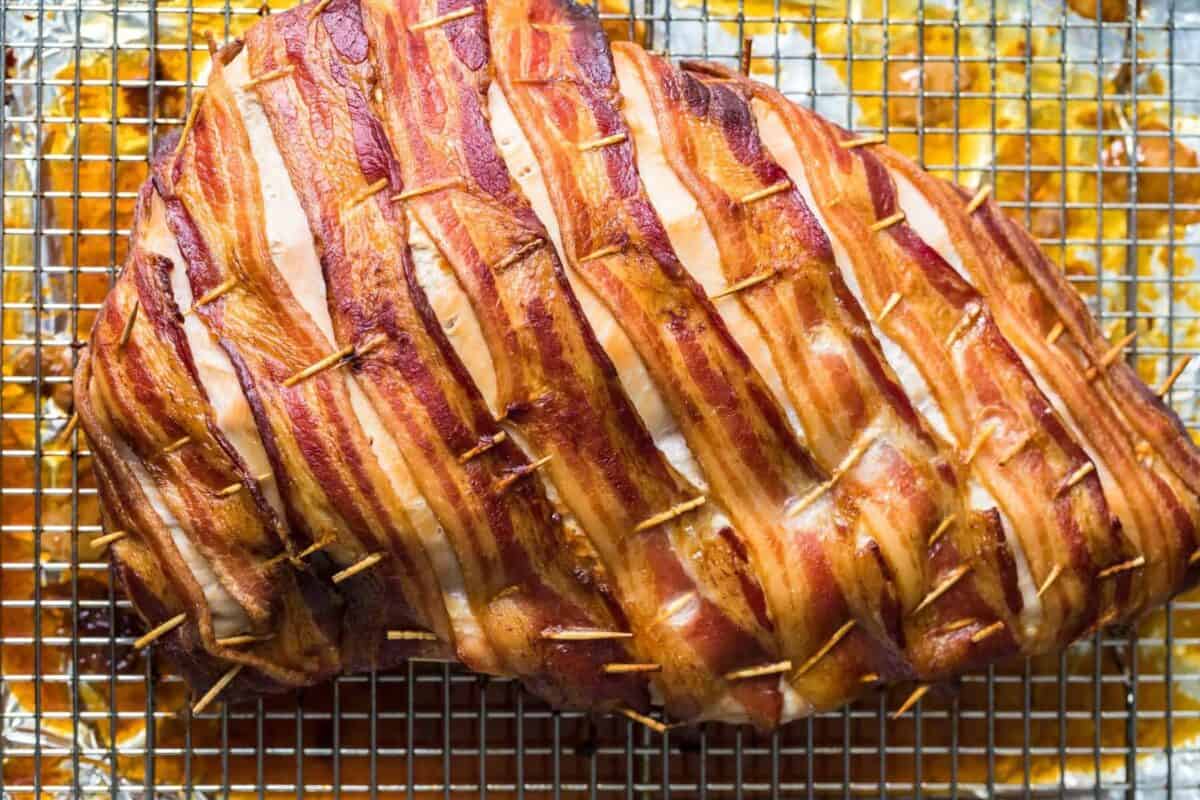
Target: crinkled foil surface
[1087,129]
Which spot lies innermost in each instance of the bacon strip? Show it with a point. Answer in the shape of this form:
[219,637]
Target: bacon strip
[686,594]
[1145,459]
[340,506]
[856,417]
[220,550]
[516,567]
[978,393]
[553,64]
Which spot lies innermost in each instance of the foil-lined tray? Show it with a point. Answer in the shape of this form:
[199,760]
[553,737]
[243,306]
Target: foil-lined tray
[1087,131]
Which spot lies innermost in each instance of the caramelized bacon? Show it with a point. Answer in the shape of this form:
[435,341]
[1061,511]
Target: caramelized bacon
[517,572]
[700,157]
[1146,460]
[973,388]
[782,505]
[337,496]
[218,553]
[677,582]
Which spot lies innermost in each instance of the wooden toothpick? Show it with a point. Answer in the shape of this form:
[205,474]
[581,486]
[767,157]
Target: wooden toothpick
[985,633]
[893,300]
[978,199]
[411,636]
[760,194]
[1124,566]
[435,22]
[649,722]
[508,480]
[197,98]
[274,74]
[486,444]
[159,631]
[887,222]
[671,513]
[213,293]
[216,689]
[127,331]
[359,566]
[618,668]
[743,284]
[941,529]
[862,141]
[243,639]
[605,141]
[1075,477]
[1055,332]
[603,252]
[101,542]
[912,700]
[518,254]
[1169,381]
[364,194]
[957,574]
[1050,579]
[584,635]
[824,649]
[965,321]
[985,432]
[334,358]
[178,444]
[762,670]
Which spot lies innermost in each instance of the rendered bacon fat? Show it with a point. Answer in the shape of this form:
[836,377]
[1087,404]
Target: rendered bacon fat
[443,334]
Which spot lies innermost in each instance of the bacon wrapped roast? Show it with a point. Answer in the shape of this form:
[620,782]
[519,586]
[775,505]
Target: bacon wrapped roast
[447,331]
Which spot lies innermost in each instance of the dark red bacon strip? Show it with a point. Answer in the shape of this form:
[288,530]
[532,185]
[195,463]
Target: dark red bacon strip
[553,64]
[341,507]
[856,418]
[678,584]
[220,552]
[516,566]
[989,405]
[1134,441]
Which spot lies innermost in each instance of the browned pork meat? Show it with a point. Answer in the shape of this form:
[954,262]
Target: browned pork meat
[447,332]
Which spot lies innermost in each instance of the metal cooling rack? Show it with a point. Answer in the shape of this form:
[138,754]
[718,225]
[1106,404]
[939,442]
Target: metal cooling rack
[1113,716]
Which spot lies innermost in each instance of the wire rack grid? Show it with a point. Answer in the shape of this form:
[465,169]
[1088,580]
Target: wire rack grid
[1086,129]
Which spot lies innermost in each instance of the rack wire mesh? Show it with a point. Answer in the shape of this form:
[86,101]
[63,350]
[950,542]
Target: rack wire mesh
[1082,114]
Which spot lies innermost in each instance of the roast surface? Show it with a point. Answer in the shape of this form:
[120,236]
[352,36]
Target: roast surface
[447,331]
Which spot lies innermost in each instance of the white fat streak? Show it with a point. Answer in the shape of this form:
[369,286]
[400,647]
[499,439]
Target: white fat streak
[778,141]
[635,378]
[228,617]
[453,309]
[295,256]
[689,232]
[929,225]
[231,412]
